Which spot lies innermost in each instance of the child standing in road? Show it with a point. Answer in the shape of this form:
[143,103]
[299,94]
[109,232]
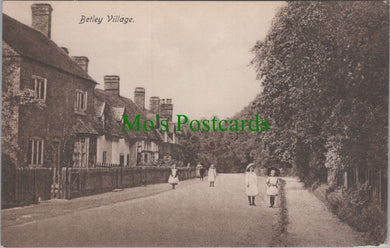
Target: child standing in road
[211,175]
[251,184]
[173,177]
[201,172]
[272,190]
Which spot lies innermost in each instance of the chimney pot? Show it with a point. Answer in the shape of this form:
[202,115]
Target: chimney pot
[41,18]
[65,50]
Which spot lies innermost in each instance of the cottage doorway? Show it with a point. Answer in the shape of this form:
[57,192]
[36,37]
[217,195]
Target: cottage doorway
[81,152]
[56,189]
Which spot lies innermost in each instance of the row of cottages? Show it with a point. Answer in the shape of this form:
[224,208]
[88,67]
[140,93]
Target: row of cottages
[115,146]
[52,115]
[131,148]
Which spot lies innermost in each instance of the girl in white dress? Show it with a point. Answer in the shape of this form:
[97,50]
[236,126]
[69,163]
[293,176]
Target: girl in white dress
[211,175]
[173,177]
[272,190]
[251,186]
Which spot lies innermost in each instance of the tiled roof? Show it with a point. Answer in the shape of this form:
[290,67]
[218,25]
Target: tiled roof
[84,127]
[34,45]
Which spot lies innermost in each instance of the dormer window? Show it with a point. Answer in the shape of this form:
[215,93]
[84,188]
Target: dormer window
[40,85]
[81,102]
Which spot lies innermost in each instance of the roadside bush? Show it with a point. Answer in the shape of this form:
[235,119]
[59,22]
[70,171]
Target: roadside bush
[375,219]
[321,192]
[335,200]
[315,185]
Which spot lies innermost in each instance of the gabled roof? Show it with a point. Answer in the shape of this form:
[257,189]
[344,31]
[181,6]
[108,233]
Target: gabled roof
[34,45]
[117,102]
[118,112]
[114,107]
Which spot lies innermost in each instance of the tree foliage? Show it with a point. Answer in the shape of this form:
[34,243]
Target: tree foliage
[323,67]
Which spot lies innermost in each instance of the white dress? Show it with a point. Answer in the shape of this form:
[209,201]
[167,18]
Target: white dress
[251,181]
[272,183]
[212,174]
[173,177]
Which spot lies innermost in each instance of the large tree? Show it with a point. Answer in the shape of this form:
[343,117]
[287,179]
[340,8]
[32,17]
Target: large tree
[324,69]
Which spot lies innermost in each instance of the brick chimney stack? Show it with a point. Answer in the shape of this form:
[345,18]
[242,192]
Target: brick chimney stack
[82,61]
[111,84]
[166,109]
[139,97]
[154,104]
[41,18]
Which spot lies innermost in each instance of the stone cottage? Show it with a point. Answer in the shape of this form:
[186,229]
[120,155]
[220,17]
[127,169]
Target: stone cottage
[47,96]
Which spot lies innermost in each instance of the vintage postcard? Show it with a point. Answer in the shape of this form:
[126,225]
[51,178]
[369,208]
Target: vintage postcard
[194,124]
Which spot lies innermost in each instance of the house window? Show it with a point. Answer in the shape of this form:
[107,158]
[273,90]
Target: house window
[92,152]
[40,85]
[146,158]
[104,157]
[81,101]
[139,154]
[128,159]
[35,152]
[103,120]
[121,160]
[152,159]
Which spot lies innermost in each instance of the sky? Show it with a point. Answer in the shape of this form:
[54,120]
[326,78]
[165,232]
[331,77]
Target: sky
[196,53]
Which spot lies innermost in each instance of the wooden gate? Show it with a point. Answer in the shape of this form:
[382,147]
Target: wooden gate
[56,187]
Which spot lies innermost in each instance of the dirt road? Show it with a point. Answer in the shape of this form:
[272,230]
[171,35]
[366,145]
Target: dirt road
[191,215]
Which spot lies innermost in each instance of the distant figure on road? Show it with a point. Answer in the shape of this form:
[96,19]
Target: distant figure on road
[272,190]
[201,170]
[251,184]
[212,174]
[173,177]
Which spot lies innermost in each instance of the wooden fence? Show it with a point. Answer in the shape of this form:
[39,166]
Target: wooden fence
[22,186]
[87,181]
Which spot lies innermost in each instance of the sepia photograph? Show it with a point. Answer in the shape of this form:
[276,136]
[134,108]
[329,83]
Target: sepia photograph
[194,123]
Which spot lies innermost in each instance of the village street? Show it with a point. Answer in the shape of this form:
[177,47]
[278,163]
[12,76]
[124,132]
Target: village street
[191,215]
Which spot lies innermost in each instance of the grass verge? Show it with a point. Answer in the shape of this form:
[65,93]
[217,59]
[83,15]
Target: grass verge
[280,238]
[356,209]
